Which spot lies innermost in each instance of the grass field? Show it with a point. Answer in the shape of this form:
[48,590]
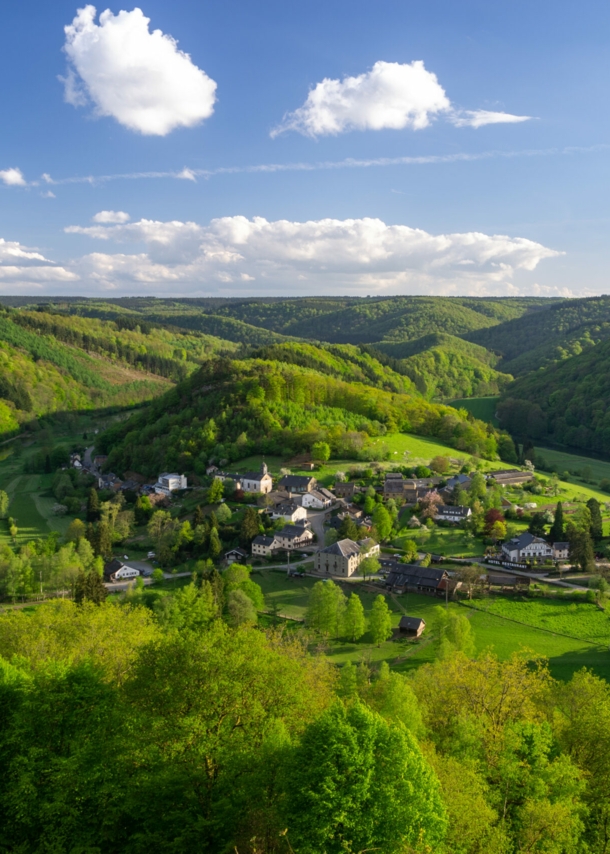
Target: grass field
[453,542]
[570,635]
[574,462]
[481,407]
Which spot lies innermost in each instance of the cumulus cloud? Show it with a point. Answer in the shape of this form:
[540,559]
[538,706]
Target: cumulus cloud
[480,118]
[19,264]
[12,177]
[390,95]
[111,217]
[358,254]
[138,77]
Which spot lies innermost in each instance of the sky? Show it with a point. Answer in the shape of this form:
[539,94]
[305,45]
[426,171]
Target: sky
[267,148]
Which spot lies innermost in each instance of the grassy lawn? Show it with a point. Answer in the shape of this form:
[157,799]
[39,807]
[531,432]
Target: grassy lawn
[575,462]
[481,407]
[452,542]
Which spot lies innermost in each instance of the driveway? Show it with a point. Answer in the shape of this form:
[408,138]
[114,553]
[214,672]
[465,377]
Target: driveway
[317,519]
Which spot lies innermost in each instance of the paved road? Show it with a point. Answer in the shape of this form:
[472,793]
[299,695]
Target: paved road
[317,518]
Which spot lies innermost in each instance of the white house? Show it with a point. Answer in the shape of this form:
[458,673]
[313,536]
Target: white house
[318,499]
[168,483]
[455,515]
[289,511]
[526,547]
[293,537]
[251,481]
[263,546]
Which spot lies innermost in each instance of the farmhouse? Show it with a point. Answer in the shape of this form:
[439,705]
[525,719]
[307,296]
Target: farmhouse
[115,570]
[510,477]
[455,515]
[418,579]
[289,511]
[411,626]
[263,546]
[299,483]
[393,485]
[293,537]
[526,546]
[318,499]
[168,483]
[345,490]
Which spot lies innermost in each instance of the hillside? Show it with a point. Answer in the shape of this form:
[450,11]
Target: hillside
[562,330]
[444,367]
[51,363]
[231,409]
[567,403]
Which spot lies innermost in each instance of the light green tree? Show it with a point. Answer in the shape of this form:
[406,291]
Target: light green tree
[380,620]
[321,451]
[382,522]
[355,622]
[453,633]
[326,609]
[4,504]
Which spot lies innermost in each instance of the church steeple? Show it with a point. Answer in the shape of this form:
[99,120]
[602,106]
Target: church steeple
[264,469]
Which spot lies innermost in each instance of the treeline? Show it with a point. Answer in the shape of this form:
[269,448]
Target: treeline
[231,409]
[179,726]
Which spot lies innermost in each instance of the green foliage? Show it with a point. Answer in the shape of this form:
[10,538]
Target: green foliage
[327,608]
[354,621]
[380,620]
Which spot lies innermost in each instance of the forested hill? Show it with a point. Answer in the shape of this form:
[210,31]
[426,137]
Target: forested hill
[51,363]
[567,403]
[231,409]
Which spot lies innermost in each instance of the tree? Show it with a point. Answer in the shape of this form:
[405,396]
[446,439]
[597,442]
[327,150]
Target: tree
[249,526]
[430,504]
[326,609]
[214,545]
[142,509]
[89,587]
[440,465]
[355,783]
[348,530]
[321,451]
[470,576]
[93,506]
[491,517]
[215,492]
[597,528]
[478,487]
[241,609]
[380,620]
[382,522]
[409,551]
[453,633]
[158,575]
[498,531]
[223,514]
[198,516]
[331,536]
[368,566]
[4,504]
[581,548]
[76,531]
[537,526]
[355,622]
[557,532]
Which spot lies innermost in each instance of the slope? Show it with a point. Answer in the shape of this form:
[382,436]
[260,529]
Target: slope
[567,402]
[231,409]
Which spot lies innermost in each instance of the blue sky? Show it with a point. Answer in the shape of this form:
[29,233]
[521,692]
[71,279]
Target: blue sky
[426,203]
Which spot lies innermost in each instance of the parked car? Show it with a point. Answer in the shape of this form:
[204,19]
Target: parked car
[151,555]
[125,557]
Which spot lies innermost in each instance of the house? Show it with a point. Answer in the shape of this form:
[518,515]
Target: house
[369,547]
[454,515]
[318,499]
[561,551]
[389,563]
[419,579]
[462,480]
[99,460]
[341,558]
[236,556]
[394,485]
[526,546]
[345,490]
[299,483]
[115,570]
[289,511]
[211,470]
[510,477]
[263,546]
[293,537]
[169,482]
[109,481]
[498,579]
[411,626]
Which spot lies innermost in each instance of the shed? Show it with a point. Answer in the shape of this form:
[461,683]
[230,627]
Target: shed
[411,626]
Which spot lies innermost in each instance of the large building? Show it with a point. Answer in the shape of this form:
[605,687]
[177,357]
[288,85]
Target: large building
[526,547]
[341,558]
[299,483]
[419,579]
[252,481]
[170,482]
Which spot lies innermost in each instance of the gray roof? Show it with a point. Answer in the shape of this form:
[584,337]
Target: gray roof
[523,541]
[237,551]
[296,480]
[561,545]
[263,541]
[415,576]
[458,479]
[344,548]
[292,531]
[286,508]
[447,510]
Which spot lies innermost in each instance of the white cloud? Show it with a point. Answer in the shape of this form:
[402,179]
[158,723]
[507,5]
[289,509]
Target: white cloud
[48,194]
[111,217]
[13,177]
[331,255]
[480,118]
[390,95]
[19,263]
[140,78]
